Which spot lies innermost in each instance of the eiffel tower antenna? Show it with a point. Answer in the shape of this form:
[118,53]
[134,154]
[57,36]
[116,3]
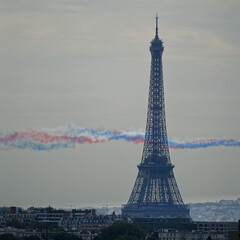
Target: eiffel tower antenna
[156,25]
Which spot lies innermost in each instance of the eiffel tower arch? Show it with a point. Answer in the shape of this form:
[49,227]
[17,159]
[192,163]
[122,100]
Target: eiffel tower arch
[155,193]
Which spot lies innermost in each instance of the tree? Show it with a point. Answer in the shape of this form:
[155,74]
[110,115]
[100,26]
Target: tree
[13,223]
[7,236]
[31,238]
[209,238]
[10,236]
[36,225]
[65,236]
[152,238]
[121,231]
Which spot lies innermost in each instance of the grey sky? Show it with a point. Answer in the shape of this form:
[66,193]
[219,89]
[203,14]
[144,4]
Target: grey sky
[88,63]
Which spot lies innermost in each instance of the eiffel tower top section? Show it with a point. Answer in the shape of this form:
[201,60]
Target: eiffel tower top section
[156,44]
[155,150]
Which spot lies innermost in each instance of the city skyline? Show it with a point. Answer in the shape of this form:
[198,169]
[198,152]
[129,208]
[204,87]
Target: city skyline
[87,64]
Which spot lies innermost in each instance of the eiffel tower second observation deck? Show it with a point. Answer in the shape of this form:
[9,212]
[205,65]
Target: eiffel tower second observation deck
[155,193]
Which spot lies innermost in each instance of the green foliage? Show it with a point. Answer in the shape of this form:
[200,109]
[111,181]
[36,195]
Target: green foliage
[7,236]
[43,226]
[34,225]
[152,238]
[56,236]
[121,231]
[30,238]
[65,236]
[12,237]
[13,223]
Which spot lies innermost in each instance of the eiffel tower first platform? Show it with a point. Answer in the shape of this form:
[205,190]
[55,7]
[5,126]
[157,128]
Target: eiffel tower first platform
[155,193]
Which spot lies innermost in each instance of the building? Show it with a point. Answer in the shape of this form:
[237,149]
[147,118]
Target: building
[234,234]
[216,227]
[187,235]
[161,224]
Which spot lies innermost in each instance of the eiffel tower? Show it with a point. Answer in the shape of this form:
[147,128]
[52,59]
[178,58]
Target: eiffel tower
[155,193]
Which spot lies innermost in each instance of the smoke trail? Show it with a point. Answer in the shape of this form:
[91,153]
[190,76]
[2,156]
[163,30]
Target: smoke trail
[69,137]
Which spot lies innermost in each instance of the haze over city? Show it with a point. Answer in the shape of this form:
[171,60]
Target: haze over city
[87,64]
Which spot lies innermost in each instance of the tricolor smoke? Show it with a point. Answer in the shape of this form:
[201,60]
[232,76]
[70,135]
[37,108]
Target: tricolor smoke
[69,137]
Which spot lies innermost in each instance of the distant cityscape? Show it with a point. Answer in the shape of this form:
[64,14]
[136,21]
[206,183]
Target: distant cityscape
[214,218]
[219,211]
[223,210]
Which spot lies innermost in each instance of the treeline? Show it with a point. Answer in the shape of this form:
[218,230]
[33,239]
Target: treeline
[117,231]
[55,236]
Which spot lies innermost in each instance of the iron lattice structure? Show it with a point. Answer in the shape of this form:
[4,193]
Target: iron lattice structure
[155,193]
